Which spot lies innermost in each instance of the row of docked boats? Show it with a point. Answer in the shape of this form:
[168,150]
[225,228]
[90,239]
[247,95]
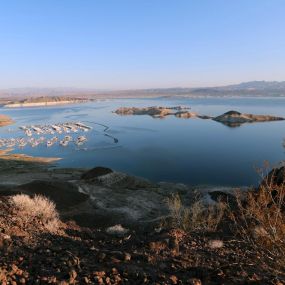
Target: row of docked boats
[49,135]
[22,142]
[60,128]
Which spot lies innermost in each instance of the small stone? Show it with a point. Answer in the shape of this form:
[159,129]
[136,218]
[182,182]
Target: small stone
[216,243]
[85,279]
[127,256]
[117,230]
[73,274]
[194,281]
[102,256]
[99,280]
[99,273]
[173,279]
[63,283]
[115,260]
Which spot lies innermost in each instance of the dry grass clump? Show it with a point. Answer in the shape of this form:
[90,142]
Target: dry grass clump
[197,217]
[260,219]
[37,207]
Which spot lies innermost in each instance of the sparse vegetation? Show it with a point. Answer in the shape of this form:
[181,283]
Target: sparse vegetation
[260,219]
[38,207]
[196,217]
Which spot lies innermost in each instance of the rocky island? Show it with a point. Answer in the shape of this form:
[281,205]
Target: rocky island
[230,118]
[44,101]
[154,111]
[235,119]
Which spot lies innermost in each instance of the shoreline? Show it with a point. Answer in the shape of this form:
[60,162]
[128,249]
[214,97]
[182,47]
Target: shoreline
[6,155]
[5,120]
[43,104]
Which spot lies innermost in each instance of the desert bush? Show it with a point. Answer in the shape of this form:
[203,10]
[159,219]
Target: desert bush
[196,217]
[260,219]
[38,207]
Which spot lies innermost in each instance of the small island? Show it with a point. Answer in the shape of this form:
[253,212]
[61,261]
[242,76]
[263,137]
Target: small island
[230,118]
[44,101]
[153,111]
[235,119]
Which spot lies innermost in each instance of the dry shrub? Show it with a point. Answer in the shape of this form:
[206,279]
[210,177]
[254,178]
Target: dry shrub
[37,207]
[197,217]
[260,219]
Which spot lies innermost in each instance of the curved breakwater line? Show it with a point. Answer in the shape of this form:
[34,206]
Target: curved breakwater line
[106,128]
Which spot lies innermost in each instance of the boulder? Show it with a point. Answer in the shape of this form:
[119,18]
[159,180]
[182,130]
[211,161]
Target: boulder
[275,177]
[65,194]
[219,196]
[96,172]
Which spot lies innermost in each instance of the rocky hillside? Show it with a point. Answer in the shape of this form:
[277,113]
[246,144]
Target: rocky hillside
[139,232]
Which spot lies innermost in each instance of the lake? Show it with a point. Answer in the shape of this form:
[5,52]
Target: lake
[192,151]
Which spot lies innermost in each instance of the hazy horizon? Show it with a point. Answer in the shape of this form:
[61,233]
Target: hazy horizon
[72,88]
[119,45]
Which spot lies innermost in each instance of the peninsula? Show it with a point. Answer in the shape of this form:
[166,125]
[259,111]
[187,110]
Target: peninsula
[5,121]
[44,101]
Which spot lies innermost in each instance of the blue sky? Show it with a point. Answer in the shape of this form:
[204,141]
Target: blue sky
[118,44]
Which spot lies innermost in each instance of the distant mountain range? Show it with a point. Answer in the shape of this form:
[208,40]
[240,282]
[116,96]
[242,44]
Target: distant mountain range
[252,88]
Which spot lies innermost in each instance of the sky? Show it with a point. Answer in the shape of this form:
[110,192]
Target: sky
[126,44]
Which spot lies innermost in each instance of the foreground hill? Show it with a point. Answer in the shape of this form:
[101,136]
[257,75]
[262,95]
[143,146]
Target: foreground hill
[163,239]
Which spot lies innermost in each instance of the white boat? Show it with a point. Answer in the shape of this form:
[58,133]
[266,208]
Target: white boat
[64,143]
[81,140]
[28,132]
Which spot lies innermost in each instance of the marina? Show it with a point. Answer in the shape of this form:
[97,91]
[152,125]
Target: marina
[49,135]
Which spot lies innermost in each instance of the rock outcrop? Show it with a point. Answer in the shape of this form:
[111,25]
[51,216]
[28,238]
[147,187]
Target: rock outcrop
[155,112]
[96,172]
[230,118]
[5,121]
[235,119]
[185,115]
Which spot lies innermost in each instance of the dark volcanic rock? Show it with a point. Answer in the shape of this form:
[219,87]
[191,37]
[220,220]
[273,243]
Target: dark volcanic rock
[276,177]
[64,194]
[224,197]
[96,172]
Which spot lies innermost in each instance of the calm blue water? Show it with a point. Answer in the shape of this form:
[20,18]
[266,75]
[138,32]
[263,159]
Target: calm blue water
[192,151]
